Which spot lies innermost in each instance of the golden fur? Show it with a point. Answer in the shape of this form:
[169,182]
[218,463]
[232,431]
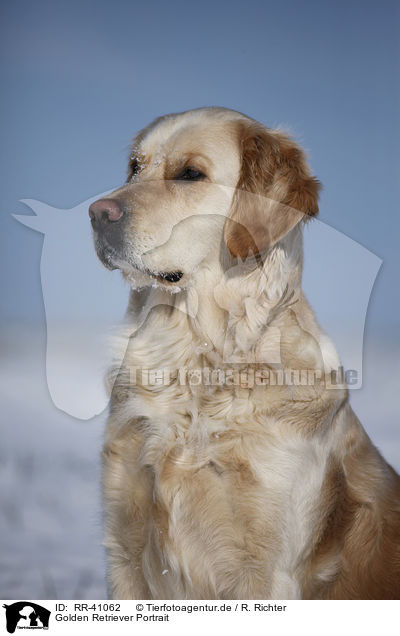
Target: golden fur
[238,489]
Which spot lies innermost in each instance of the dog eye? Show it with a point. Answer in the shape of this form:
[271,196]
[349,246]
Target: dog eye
[133,167]
[190,174]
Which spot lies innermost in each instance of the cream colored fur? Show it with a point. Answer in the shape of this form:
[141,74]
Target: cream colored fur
[227,491]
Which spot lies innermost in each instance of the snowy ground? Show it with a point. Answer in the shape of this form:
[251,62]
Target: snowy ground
[50,513]
[50,519]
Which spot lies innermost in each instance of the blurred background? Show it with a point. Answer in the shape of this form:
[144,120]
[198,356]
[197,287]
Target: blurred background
[78,79]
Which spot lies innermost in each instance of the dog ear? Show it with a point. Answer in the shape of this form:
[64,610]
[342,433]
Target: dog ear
[274,192]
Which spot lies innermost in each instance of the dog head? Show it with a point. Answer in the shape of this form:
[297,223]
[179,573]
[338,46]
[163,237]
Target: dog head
[200,184]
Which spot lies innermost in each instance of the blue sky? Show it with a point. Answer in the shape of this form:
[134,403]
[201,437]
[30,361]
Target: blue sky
[79,78]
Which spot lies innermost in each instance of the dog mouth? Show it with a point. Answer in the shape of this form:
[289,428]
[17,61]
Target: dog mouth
[112,261]
[142,277]
[171,277]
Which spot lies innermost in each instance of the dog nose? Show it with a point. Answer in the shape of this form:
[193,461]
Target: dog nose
[105,211]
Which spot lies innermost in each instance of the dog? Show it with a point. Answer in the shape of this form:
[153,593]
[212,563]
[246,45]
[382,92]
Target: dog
[256,486]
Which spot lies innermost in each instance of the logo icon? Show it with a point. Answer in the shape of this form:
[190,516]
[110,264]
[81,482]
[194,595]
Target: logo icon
[93,300]
[26,615]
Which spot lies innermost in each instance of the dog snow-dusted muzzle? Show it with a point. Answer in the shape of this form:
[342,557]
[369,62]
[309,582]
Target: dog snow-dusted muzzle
[109,222]
[158,230]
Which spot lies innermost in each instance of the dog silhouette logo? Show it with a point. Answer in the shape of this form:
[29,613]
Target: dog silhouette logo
[26,615]
[84,302]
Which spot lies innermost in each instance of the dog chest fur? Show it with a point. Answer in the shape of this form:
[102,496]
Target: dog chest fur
[230,514]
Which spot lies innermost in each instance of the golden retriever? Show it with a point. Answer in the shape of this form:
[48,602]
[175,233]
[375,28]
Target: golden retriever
[234,466]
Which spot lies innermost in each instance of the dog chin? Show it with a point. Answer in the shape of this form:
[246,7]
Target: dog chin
[136,278]
[139,279]
[134,275]
[105,256]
